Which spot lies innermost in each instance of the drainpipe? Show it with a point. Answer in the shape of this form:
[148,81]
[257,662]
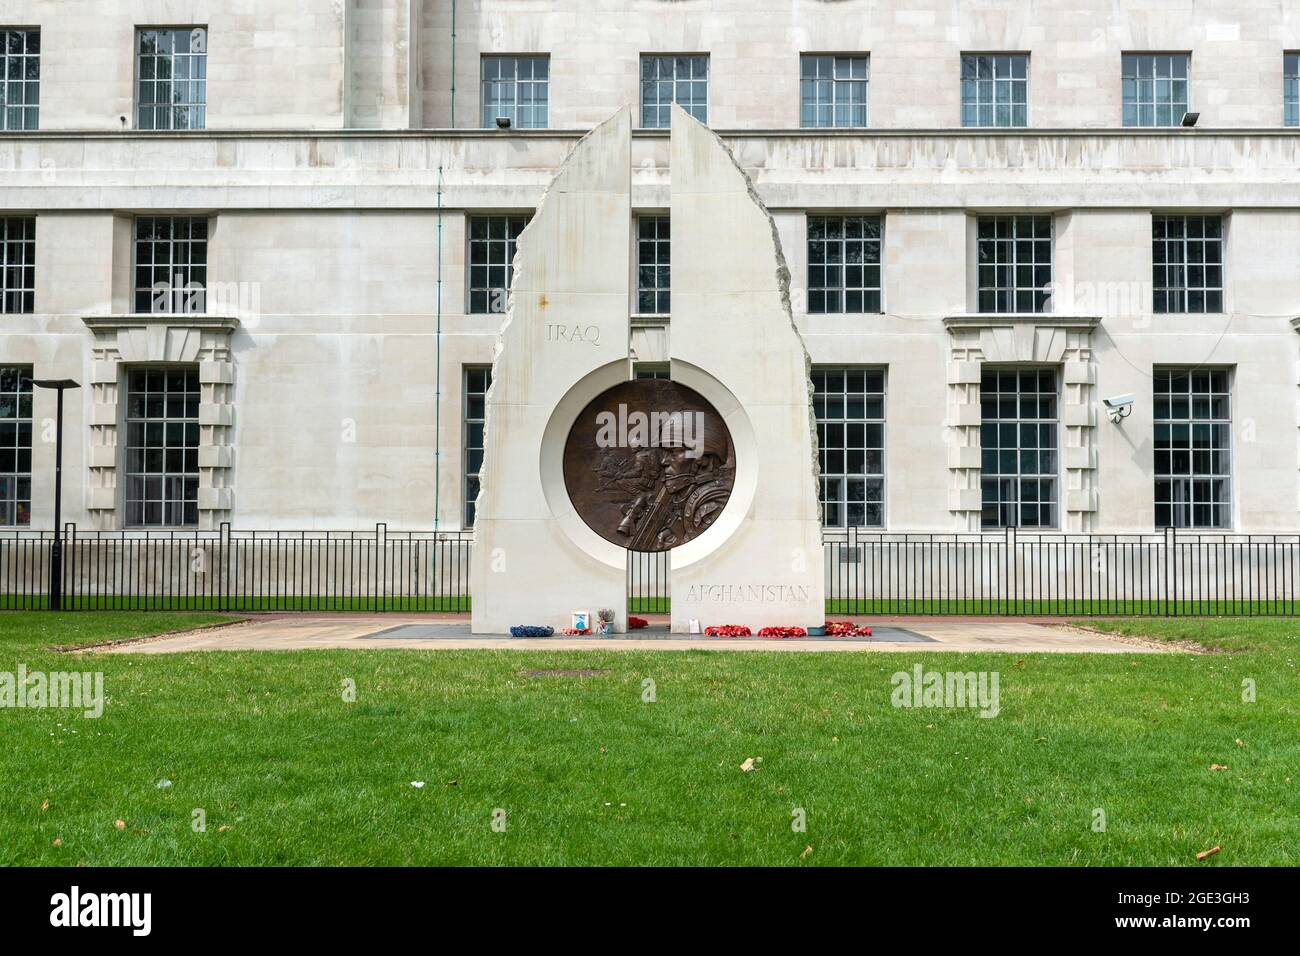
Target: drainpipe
[453,64]
[437,393]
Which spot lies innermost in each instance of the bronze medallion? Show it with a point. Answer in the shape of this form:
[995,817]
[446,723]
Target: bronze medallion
[649,464]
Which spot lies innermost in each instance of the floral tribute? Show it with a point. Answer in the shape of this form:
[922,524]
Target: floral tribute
[636,623]
[575,631]
[531,630]
[846,629]
[727,630]
[783,632]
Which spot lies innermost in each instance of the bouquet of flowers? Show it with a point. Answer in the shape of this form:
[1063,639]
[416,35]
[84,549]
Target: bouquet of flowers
[575,631]
[727,630]
[636,623]
[783,632]
[846,629]
[606,617]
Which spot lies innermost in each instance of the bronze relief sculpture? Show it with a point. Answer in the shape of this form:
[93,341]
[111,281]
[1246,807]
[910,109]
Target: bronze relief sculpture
[649,464]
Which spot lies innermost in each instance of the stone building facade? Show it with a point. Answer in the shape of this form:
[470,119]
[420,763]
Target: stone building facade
[270,238]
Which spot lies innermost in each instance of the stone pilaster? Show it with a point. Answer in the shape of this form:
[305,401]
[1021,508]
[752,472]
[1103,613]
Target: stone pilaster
[964,363]
[1079,431]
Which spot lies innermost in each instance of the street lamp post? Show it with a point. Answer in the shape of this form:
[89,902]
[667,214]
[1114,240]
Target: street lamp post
[60,385]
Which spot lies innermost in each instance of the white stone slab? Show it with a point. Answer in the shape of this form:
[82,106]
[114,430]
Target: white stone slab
[733,339]
[564,339]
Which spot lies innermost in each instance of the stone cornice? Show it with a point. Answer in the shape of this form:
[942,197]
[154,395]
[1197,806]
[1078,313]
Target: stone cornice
[793,169]
[182,320]
[958,132]
[979,320]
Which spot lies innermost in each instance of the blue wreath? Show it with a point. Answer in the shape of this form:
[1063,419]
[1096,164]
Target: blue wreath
[531,630]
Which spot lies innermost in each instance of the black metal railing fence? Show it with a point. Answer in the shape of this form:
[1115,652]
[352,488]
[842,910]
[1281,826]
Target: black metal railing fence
[1170,573]
[1173,573]
[225,569]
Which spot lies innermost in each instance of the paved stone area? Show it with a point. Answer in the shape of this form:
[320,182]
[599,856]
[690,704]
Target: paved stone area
[437,632]
[448,632]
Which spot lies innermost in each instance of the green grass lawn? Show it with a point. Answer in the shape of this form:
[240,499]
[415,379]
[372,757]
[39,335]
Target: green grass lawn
[287,772]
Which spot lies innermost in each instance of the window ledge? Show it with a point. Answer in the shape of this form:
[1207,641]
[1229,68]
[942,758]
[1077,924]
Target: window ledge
[648,318]
[137,320]
[986,320]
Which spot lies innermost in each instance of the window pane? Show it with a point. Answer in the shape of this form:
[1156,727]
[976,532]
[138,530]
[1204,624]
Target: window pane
[15,445]
[20,74]
[653,264]
[1015,253]
[849,407]
[1186,255]
[474,414]
[1291,89]
[1155,89]
[844,253]
[171,253]
[517,89]
[492,242]
[834,91]
[170,65]
[1018,438]
[1192,448]
[992,88]
[17,264]
[669,79]
[160,458]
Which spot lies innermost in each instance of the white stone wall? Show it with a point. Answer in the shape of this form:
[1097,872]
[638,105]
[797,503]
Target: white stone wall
[383,61]
[327,239]
[326,247]
[388,63]
[915,48]
[272,64]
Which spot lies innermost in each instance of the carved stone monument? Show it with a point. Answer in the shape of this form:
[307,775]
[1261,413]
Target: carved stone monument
[583,465]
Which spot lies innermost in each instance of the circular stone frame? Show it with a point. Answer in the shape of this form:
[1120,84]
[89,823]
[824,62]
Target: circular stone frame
[555,438]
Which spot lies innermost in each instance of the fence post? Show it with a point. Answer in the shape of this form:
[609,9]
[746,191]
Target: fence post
[69,569]
[843,565]
[1170,541]
[381,565]
[223,560]
[1011,567]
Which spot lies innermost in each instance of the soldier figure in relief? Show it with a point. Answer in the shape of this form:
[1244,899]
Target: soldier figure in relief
[680,488]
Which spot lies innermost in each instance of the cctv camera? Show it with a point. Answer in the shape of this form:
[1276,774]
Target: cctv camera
[1119,406]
